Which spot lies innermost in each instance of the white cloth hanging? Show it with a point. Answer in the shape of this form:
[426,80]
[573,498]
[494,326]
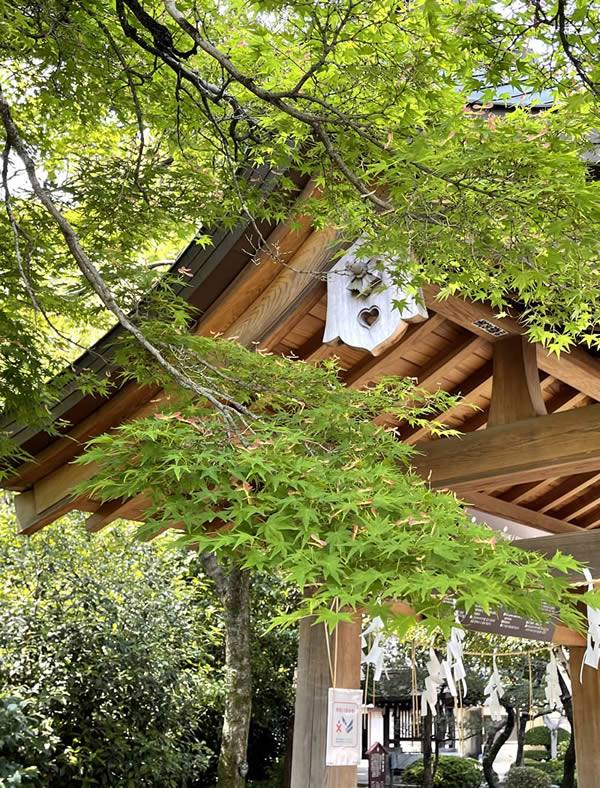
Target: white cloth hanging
[453,667]
[376,655]
[493,692]
[433,682]
[592,651]
[552,690]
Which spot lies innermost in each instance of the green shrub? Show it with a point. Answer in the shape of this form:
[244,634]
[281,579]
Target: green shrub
[537,755]
[452,772]
[553,768]
[27,742]
[527,777]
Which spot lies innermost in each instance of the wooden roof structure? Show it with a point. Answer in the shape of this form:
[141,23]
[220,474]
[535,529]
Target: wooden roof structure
[530,453]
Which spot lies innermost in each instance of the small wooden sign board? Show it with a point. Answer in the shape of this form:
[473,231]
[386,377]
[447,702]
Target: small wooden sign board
[376,755]
[510,625]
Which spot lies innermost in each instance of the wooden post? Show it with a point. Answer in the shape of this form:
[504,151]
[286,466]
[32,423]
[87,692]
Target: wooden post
[516,392]
[586,719]
[313,682]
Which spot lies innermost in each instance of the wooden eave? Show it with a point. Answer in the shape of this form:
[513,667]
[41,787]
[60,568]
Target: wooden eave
[283,308]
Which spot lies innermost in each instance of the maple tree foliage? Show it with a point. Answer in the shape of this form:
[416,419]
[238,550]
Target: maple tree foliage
[139,118]
[310,485]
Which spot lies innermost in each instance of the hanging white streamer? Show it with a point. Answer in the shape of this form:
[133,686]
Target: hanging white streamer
[453,667]
[592,652]
[494,691]
[376,655]
[552,690]
[433,682]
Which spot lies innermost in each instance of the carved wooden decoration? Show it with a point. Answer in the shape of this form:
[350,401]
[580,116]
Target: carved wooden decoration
[360,305]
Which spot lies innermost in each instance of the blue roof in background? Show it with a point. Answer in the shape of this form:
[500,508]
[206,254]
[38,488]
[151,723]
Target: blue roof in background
[509,96]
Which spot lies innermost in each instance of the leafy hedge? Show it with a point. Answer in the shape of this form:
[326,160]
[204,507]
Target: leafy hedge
[452,772]
[537,755]
[527,777]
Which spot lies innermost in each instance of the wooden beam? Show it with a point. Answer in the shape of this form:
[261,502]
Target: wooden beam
[565,491]
[130,509]
[522,492]
[113,411]
[544,447]
[582,504]
[30,520]
[577,368]
[583,546]
[520,514]
[345,643]
[310,718]
[516,392]
[302,273]
[431,377]
[586,719]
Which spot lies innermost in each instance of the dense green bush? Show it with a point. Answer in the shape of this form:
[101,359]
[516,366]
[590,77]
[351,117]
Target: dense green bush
[540,736]
[452,772]
[102,649]
[527,777]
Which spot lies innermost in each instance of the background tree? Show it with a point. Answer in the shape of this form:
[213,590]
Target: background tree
[112,663]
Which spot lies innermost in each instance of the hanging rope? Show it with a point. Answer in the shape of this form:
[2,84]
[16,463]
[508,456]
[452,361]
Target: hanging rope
[415,717]
[531,710]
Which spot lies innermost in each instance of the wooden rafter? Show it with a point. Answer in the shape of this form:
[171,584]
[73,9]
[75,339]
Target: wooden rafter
[391,362]
[480,381]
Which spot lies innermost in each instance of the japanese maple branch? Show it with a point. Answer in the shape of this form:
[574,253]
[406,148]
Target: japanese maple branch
[228,409]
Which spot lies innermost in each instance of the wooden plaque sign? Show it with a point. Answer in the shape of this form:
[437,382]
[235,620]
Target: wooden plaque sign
[509,624]
[376,755]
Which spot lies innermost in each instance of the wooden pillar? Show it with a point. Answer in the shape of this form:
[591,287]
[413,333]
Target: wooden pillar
[347,677]
[313,682]
[586,719]
[516,392]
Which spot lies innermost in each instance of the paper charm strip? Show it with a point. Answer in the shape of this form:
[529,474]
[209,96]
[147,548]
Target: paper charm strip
[452,666]
[552,690]
[433,682]
[376,655]
[493,692]
[592,652]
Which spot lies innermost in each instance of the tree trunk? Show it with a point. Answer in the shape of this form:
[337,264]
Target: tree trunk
[568,779]
[233,590]
[427,752]
[523,719]
[494,741]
